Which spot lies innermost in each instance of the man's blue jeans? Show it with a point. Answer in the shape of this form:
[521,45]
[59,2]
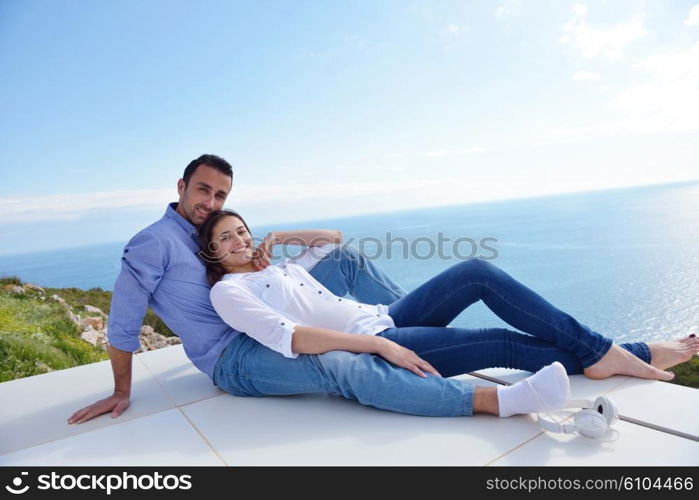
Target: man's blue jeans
[247,368]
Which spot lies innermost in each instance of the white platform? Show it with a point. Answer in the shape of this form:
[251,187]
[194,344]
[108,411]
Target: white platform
[177,417]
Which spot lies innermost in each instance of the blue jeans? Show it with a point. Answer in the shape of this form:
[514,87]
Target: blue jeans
[247,368]
[422,315]
[345,270]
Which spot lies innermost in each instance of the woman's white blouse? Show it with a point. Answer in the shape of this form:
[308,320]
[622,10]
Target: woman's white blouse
[268,304]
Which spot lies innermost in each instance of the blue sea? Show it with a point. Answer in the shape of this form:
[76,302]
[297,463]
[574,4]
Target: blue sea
[624,262]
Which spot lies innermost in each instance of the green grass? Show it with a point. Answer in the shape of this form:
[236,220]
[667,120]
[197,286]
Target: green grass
[687,374]
[97,297]
[37,335]
[10,280]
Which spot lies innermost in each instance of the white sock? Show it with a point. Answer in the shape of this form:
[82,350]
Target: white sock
[551,384]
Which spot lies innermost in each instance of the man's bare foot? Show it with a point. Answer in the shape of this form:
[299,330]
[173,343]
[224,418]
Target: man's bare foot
[667,354]
[618,361]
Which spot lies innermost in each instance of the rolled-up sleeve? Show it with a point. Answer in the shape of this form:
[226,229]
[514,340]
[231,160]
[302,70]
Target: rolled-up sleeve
[312,255]
[142,267]
[246,313]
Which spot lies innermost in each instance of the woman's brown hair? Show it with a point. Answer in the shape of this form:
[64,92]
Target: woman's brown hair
[214,269]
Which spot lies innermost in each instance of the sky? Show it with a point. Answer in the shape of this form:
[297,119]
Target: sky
[333,108]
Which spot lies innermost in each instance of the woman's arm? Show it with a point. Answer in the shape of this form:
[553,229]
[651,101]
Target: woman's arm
[314,340]
[246,313]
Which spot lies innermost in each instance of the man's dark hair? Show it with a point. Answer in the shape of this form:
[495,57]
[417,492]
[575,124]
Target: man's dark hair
[210,160]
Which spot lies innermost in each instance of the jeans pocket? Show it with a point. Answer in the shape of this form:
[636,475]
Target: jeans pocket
[236,390]
[230,381]
[227,372]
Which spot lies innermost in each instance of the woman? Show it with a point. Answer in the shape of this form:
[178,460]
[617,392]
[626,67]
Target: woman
[286,310]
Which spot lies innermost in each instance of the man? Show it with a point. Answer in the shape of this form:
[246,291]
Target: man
[161,268]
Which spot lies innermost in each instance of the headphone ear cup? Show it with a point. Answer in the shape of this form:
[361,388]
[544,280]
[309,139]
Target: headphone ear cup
[607,408]
[590,423]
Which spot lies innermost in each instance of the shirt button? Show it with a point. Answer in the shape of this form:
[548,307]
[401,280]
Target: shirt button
[267,285]
[339,300]
[284,274]
[378,315]
[301,284]
[359,307]
[320,291]
[283,323]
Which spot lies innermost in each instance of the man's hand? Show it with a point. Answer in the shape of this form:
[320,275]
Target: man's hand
[262,254]
[405,358]
[116,403]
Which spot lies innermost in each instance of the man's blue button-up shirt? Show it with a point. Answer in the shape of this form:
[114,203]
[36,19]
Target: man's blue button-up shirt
[160,268]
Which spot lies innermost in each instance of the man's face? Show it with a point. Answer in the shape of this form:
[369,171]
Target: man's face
[206,192]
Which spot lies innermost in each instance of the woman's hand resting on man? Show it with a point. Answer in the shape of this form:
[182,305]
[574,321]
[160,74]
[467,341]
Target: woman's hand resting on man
[405,358]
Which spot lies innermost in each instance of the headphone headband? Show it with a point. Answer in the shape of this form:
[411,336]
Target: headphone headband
[592,421]
[579,403]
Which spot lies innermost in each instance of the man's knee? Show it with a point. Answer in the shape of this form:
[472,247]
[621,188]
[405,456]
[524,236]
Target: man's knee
[346,252]
[349,257]
[351,367]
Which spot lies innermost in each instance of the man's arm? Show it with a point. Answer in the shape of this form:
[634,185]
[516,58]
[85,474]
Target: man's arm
[120,400]
[304,237]
[142,267]
[121,368]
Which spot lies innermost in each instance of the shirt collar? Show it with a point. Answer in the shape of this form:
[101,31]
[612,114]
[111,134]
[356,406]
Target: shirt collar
[172,213]
[238,276]
[233,276]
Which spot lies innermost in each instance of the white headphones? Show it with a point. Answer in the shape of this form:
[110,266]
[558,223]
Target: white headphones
[593,421]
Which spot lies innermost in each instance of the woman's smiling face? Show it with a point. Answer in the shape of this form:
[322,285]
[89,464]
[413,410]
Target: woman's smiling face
[231,243]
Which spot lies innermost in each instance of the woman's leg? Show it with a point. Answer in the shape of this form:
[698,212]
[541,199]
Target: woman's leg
[345,270]
[441,299]
[455,351]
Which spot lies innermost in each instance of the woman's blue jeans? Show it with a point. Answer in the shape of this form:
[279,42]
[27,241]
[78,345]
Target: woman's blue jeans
[247,368]
[422,315]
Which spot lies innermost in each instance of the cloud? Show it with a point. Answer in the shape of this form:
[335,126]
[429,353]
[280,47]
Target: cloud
[455,29]
[452,152]
[441,153]
[665,101]
[668,101]
[506,8]
[585,75]
[75,206]
[693,18]
[594,42]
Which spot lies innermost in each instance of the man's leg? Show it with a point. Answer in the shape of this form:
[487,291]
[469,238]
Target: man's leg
[345,270]
[255,370]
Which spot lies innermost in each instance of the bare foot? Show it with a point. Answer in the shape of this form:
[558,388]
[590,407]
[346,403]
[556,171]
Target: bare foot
[667,354]
[618,361]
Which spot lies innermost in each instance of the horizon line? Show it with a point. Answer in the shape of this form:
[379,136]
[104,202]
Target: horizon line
[399,211]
